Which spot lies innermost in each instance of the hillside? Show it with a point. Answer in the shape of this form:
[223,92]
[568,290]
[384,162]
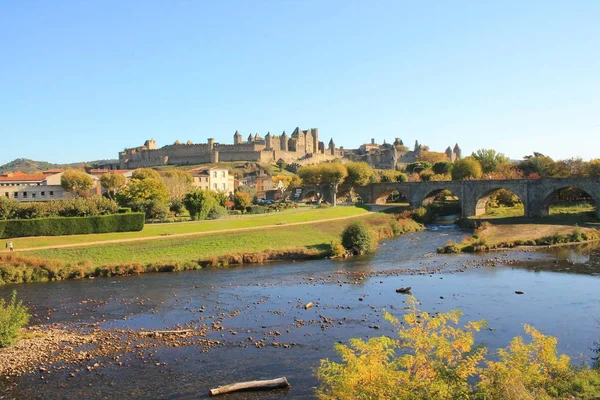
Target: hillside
[30,166]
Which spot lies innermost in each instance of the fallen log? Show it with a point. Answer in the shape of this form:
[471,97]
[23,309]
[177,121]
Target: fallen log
[154,333]
[403,289]
[254,385]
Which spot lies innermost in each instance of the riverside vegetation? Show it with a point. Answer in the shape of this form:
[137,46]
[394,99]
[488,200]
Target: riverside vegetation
[13,317]
[435,358]
[187,253]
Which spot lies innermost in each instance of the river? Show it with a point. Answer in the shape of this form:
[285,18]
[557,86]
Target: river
[266,302]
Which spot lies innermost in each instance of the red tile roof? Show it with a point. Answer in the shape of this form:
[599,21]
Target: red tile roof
[22,177]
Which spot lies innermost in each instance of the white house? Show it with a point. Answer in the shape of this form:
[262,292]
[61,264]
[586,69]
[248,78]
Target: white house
[41,186]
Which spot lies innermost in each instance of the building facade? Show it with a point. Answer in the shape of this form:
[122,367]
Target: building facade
[215,179]
[43,186]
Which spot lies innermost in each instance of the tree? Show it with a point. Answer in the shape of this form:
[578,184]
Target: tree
[200,203]
[13,318]
[390,175]
[466,168]
[281,164]
[77,182]
[178,183]
[149,195]
[593,168]
[359,173]
[417,166]
[241,201]
[442,167]
[311,175]
[285,182]
[112,183]
[432,157]
[489,159]
[333,174]
[145,173]
[538,165]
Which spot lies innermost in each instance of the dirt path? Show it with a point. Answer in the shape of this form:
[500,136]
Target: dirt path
[175,235]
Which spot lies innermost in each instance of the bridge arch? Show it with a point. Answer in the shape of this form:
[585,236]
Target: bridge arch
[574,193]
[483,199]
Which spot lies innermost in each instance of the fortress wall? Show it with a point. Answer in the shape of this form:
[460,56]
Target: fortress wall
[229,156]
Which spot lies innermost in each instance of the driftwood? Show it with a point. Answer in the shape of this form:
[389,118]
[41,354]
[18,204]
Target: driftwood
[309,305]
[154,333]
[403,290]
[254,385]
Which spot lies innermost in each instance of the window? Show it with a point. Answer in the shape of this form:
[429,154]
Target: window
[33,195]
[24,195]
[223,174]
[43,194]
[215,185]
[16,195]
[6,194]
[215,174]
[51,193]
[223,186]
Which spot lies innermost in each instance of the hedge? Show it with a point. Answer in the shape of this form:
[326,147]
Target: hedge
[58,226]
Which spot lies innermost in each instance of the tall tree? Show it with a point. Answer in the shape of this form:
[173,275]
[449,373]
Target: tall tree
[333,174]
[199,203]
[489,159]
[77,182]
[359,173]
[145,173]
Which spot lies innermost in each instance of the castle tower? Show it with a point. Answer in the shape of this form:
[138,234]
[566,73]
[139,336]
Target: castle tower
[268,140]
[250,138]
[284,141]
[150,144]
[457,151]
[211,143]
[449,153]
[398,142]
[237,138]
[331,147]
[416,145]
[315,133]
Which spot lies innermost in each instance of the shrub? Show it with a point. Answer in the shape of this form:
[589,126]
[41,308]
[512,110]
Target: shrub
[58,226]
[337,250]
[217,212]
[357,239]
[199,203]
[421,215]
[13,317]
[436,358]
[442,167]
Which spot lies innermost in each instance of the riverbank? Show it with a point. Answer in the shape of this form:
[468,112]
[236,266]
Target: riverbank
[510,236]
[169,254]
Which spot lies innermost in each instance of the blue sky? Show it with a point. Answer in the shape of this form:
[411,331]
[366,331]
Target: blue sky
[83,80]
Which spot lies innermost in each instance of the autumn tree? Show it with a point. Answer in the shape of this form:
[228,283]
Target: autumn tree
[77,182]
[178,183]
[359,173]
[241,201]
[112,182]
[538,165]
[146,192]
[285,182]
[593,168]
[466,168]
[145,173]
[311,175]
[432,157]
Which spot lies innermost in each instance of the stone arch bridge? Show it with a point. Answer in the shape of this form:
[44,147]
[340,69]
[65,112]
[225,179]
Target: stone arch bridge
[535,194]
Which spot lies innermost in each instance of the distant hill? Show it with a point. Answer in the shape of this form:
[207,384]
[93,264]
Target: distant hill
[30,166]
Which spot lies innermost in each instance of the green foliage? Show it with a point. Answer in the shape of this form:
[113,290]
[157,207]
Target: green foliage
[199,203]
[417,166]
[442,167]
[145,173]
[593,168]
[435,358]
[146,194]
[390,175]
[77,207]
[426,175]
[359,173]
[77,182]
[466,168]
[218,211]
[503,198]
[13,317]
[178,183]
[357,239]
[421,215]
[337,249]
[538,165]
[112,183]
[489,159]
[58,226]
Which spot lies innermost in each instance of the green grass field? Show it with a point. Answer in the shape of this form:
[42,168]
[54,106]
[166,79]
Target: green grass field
[246,221]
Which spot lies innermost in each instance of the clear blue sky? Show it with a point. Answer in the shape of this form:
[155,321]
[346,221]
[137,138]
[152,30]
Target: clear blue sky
[81,80]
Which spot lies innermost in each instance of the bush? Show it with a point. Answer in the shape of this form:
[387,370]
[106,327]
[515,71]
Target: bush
[13,317]
[436,358]
[199,203]
[257,210]
[421,215]
[58,226]
[217,212]
[357,239]
[442,167]
[337,250]
[78,207]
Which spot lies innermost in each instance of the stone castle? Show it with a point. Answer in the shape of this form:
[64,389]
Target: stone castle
[389,155]
[302,147]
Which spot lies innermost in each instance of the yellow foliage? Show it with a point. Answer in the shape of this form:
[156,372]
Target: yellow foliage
[435,358]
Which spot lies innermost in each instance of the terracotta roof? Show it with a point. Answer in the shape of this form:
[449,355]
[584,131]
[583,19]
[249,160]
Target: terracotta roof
[22,177]
[109,171]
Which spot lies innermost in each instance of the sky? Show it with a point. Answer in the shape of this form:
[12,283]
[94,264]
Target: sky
[82,80]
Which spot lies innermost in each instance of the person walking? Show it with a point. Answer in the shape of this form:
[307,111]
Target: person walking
[10,246]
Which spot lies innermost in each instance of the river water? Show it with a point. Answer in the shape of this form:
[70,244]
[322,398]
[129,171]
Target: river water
[266,302]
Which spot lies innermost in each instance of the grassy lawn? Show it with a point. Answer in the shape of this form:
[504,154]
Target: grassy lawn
[211,245]
[246,221]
